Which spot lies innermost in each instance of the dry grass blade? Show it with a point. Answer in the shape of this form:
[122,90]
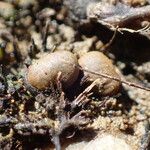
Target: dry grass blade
[116,79]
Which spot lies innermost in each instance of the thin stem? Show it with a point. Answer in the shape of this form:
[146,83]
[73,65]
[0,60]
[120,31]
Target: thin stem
[116,79]
[107,45]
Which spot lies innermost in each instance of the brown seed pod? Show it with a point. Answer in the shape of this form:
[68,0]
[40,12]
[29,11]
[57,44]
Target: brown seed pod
[45,70]
[97,62]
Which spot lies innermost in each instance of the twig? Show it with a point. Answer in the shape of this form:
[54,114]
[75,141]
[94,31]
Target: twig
[146,28]
[83,95]
[116,79]
[17,51]
[45,34]
[33,50]
[105,47]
